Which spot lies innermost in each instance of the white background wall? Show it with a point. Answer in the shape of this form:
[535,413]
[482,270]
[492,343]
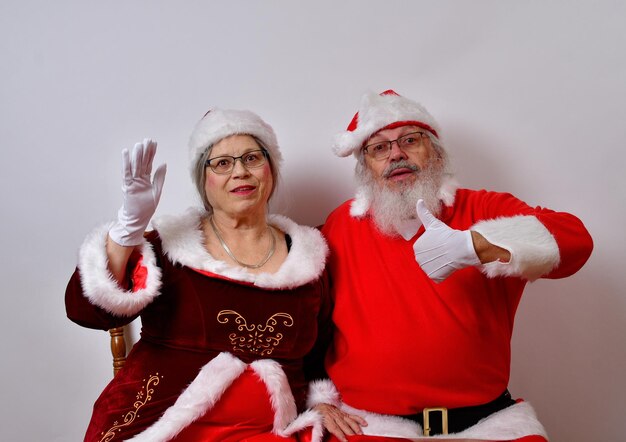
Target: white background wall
[530,96]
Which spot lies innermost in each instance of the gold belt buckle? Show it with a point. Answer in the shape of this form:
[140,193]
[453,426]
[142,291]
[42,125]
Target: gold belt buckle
[444,419]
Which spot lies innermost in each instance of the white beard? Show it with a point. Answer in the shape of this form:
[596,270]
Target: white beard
[391,207]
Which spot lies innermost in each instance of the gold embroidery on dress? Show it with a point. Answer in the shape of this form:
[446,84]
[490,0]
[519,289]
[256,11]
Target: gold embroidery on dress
[143,397]
[260,338]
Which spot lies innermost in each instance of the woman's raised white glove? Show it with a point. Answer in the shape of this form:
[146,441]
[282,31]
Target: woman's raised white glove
[141,195]
[442,250]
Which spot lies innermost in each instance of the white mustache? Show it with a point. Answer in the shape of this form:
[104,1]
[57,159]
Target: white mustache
[403,164]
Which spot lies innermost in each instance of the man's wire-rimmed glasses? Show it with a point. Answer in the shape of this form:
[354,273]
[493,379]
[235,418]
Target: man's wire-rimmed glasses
[381,150]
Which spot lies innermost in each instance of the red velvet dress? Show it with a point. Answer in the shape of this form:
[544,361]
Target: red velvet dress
[224,355]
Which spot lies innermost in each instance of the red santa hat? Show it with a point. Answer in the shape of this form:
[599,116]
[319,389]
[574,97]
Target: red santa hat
[386,110]
[221,123]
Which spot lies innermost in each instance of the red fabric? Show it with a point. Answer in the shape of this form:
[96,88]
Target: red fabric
[243,411]
[409,123]
[369,439]
[139,274]
[307,438]
[268,437]
[403,342]
[427,439]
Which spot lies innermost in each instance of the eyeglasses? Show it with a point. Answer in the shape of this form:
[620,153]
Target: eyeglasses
[382,149]
[225,164]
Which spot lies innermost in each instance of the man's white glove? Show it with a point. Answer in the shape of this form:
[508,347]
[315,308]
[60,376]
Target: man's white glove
[141,195]
[442,250]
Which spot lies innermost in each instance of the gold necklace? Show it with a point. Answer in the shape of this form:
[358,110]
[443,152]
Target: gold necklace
[270,252]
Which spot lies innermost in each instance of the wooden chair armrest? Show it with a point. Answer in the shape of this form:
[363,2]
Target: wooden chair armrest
[118,348]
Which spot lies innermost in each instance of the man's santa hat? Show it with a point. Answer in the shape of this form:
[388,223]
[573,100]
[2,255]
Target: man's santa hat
[378,112]
[221,123]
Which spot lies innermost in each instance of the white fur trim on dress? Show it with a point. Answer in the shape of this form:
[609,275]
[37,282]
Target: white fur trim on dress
[375,112]
[534,251]
[98,283]
[183,243]
[309,418]
[199,397]
[277,384]
[363,199]
[209,386]
[221,123]
[285,421]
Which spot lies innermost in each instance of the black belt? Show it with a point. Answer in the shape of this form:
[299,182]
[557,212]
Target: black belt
[442,420]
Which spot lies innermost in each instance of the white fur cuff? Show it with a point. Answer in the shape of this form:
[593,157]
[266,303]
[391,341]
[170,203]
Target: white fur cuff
[534,251]
[323,392]
[309,418]
[98,283]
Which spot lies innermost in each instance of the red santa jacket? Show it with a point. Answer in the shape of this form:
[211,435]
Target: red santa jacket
[403,342]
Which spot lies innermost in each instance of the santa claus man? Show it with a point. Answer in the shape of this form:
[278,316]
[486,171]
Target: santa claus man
[427,278]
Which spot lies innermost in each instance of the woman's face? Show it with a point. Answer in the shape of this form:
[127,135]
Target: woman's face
[242,192]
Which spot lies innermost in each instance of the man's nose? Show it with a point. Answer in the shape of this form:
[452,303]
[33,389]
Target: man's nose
[396,153]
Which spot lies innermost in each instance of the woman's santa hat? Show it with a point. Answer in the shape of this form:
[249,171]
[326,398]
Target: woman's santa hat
[378,112]
[221,123]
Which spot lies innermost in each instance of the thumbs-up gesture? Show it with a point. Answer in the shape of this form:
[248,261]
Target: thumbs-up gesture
[442,250]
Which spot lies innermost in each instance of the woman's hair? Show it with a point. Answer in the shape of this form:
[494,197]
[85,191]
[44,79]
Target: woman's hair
[200,171]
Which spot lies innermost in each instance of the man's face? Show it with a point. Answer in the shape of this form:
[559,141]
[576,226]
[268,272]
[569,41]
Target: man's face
[401,168]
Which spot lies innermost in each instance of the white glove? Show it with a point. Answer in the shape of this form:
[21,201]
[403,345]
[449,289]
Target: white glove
[141,195]
[442,250]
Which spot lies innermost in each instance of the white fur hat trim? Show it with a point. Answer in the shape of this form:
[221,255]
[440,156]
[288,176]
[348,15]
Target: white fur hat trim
[377,112]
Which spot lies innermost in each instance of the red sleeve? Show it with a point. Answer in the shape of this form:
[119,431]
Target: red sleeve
[572,238]
[80,310]
[575,243]
[86,314]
